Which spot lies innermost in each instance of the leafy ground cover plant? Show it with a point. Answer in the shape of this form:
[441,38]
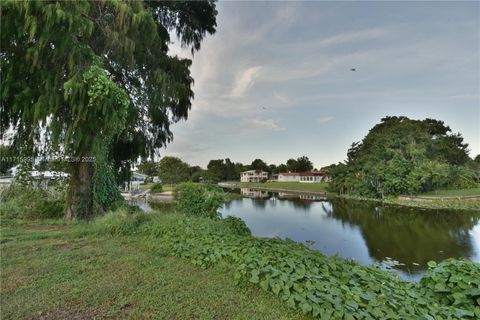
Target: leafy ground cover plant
[324,287]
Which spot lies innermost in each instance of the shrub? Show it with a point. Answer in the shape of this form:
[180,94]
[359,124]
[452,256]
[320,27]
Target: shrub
[123,221]
[236,226]
[200,200]
[156,188]
[26,202]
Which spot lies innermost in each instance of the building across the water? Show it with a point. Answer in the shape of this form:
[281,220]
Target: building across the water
[304,177]
[135,181]
[253,176]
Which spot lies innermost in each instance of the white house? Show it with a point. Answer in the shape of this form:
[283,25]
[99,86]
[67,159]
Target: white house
[253,176]
[303,177]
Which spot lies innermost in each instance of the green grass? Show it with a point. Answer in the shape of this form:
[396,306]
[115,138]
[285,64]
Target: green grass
[455,204]
[296,186]
[165,187]
[453,193]
[50,271]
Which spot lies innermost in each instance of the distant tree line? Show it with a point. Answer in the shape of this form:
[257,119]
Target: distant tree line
[404,156]
[173,170]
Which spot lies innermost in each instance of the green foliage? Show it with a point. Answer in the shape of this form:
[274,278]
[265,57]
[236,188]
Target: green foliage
[325,287]
[173,170]
[454,283]
[404,156]
[236,226]
[221,170]
[123,221]
[300,164]
[80,74]
[200,200]
[156,188]
[26,202]
[259,164]
[149,168]
[106,194]
[7,159]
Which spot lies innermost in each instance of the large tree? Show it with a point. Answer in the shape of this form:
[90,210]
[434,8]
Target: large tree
[259,164]
[94,81]
[173,170]
[400,155]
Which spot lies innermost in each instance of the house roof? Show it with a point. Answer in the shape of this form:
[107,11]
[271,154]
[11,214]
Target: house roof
[302,174]
[138,174]
[254,171]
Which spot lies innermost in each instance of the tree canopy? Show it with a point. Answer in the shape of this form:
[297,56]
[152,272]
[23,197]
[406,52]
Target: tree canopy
[95,79]
[173,170]
[404,156]
[300,164]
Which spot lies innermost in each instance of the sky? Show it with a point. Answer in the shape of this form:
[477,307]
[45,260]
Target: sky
[275,81]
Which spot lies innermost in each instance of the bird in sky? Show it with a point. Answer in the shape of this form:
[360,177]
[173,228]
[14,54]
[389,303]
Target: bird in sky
[353,69]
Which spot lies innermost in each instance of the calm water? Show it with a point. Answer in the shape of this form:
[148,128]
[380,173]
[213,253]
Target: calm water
[403,239]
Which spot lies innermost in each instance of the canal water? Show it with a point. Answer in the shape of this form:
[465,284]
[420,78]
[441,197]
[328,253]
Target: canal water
[400,239]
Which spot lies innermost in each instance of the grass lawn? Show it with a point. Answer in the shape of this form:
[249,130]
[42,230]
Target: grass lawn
[454,193]
[318,187]
[50,273]
[165,187]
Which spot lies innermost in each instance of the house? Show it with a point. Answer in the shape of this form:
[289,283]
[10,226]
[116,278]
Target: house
[38,179]
[135,181]
[253,176]
[303,177]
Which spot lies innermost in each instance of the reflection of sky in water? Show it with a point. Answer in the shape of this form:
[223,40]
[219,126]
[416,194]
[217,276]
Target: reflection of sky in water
[364,233]
[475,235]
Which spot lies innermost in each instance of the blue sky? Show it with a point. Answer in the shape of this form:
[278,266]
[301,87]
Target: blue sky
[274,82]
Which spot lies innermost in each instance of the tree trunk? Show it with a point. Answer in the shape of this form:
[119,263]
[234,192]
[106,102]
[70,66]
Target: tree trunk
[80,192]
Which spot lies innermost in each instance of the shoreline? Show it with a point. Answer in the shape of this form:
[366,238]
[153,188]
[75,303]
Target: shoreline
[425,202]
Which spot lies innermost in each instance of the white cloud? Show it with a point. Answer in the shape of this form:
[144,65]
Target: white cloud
[350,37]
[267,124]
[245,81]
[324,119]
[284,99]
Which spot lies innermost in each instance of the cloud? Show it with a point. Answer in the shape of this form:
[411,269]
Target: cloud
[284,99]
[350,37]
[245,81]
[324,119]
[267,124]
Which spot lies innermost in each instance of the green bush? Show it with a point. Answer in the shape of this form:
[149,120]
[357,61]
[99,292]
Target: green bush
[156,188]
[200,200]
[26,202]
[236,226]
[124,221]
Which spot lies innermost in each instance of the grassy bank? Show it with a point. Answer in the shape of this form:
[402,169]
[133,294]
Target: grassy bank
[53,271]
[454,204]
[454,193]
[147,186]
[172,266]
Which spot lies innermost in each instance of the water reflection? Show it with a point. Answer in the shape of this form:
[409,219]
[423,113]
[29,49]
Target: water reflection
[364,231]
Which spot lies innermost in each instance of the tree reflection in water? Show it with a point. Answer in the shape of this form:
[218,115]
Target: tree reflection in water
[411,236]
[408,235]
